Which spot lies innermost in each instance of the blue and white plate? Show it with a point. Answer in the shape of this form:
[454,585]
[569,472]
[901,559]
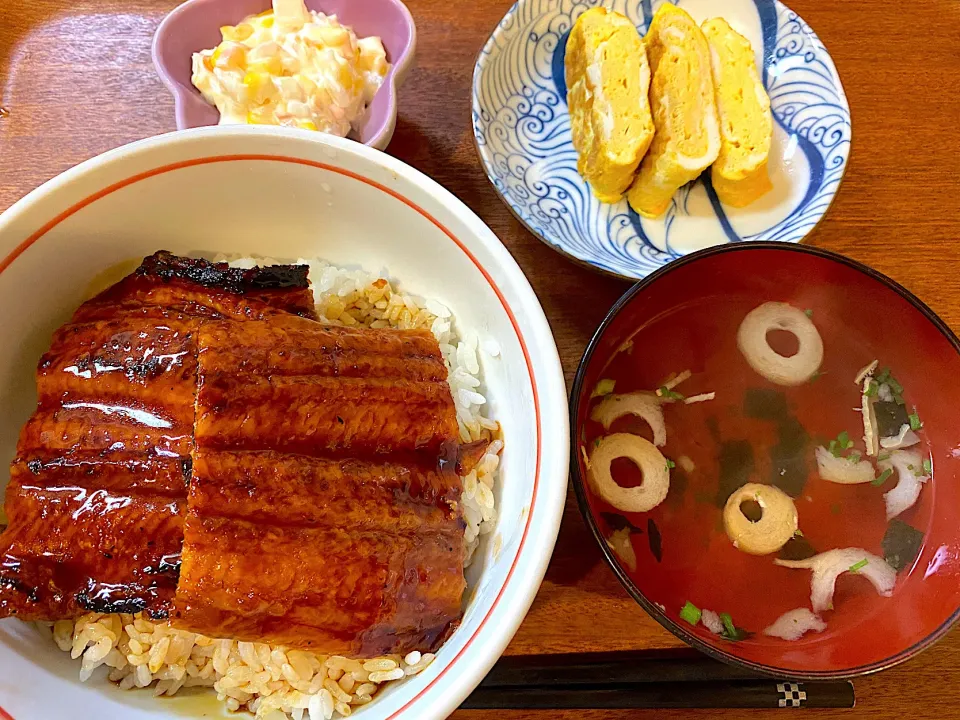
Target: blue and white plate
[522,130]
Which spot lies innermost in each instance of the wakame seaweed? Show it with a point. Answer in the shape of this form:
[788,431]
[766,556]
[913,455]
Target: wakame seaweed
[736,466]
[765,404]
[678,487]
[891,416]
[713,427]
[788,457]
[797,548]
[616,522]
[901,544]
[656,542]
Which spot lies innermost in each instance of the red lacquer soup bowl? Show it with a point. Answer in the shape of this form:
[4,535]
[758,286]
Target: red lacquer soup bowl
[898,590]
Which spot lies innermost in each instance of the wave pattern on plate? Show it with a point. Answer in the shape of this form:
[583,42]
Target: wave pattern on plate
[808,101]
[522,132]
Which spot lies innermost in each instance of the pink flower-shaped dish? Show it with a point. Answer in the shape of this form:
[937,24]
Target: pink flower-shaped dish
[195,26]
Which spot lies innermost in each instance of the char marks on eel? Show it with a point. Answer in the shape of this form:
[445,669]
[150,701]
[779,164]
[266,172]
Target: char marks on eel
[99,484]
[320,456]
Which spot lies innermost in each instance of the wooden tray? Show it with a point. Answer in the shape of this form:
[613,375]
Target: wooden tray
[77,79]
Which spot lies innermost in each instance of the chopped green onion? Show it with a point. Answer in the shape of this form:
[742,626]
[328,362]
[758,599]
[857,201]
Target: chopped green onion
[798,533]
[834,450]
[896,387]
[844,441]
[927,466]
[730,630]
[898,399]
[669,394]
[808,312]
[691,613]
[858,566]
[670,464]
[596,442]
[915,423]
[872,388]
[883,456]
[884,376]
[604,387]
[882,478]
[854,457]
[816,376]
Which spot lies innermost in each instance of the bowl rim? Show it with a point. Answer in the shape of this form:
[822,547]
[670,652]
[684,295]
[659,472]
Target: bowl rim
[579,482]
[549,492]
[396,76]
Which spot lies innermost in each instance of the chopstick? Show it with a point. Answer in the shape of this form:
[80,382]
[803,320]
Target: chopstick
[638,680]
[611,667]
[733,694]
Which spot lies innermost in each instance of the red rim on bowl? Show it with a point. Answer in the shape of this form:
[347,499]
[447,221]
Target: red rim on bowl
[865,633]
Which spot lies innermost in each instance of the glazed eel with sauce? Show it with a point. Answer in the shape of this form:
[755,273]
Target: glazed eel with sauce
[204,450]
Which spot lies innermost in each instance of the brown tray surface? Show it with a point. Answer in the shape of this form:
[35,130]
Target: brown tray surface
[77,79]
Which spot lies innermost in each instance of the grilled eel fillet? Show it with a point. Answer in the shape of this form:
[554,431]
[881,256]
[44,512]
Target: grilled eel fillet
[98,489]
[322,464]
[324,503]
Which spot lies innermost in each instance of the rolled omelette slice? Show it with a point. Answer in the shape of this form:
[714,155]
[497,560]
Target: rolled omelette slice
[739,174]
[687,137]
[608,79]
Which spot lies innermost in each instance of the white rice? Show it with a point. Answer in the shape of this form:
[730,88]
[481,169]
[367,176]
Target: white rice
[277,683]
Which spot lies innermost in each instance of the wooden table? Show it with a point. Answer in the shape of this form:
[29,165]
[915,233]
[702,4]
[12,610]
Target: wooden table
[77,79]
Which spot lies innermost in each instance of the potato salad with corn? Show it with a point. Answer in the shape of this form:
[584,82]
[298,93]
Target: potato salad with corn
[291,66]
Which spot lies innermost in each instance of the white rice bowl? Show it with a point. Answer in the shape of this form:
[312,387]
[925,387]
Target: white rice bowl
[275,682]
[262,190]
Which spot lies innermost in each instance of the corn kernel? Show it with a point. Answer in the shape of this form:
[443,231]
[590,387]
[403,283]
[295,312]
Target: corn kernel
[233,57]
[345,76]
[259,116]
[267,23]
[349,80]
[307,124]
[266,13]
[255,80]
[217,51]
[269,66]
[308,85]
[259,87]
[237,34]
[327,36]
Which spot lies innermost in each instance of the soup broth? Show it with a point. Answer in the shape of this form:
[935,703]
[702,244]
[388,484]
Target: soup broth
[752,431]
